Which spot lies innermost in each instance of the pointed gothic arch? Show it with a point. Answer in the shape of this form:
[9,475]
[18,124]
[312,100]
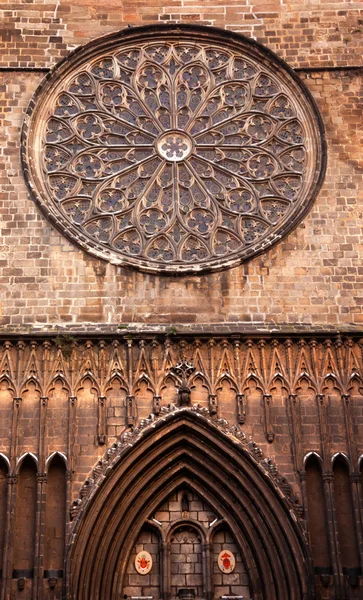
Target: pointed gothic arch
[185,448]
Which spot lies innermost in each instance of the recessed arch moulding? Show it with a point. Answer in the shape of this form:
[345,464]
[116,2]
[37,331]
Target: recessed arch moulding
[173,148]
[184,447]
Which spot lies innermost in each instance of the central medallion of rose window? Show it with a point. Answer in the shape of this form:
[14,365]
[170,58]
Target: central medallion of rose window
[185,150]
[174,146]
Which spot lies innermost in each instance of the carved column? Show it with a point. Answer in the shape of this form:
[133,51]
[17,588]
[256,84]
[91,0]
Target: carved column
[20,360]
[39,537]
[323,431]
[266,398]
[328,480]
[155,354]
[270,436]
[355,478]
[9,536]
[14,431]
[72,408]
[69,475]
[351,441]
[130,399]
[294,403]
[101,425]
[162,572]
[355,481]
[167,571]
[12,494]
[42,432]
[207,570]
[211,343]
[130,410]
[40,508]
[241,412]
[102,361]
[129,365]
[302,477]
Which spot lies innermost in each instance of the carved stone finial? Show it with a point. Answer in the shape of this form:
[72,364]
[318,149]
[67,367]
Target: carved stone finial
[241,413]
[183,370]
[156,405]
[184,395]
[17,401]
[75,508]
[213,404]
[338,341]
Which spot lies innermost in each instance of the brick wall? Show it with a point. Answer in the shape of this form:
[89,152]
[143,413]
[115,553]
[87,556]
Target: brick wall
[311,281]
[308,34]
[314,276]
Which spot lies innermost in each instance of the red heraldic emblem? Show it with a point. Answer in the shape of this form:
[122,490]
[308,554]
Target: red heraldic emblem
[143,562]
[226,561]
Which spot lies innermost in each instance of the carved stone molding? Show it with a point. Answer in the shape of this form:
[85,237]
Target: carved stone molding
[42,477]
[355,477]
[12,479]
[328,477]
[183,446]
[263,364]
[130,437]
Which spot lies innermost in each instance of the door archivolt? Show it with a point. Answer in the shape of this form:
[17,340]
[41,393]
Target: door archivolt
[185,453]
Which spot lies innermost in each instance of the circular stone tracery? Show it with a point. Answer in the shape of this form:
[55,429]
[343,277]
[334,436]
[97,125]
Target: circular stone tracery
[192,152]
[174,146]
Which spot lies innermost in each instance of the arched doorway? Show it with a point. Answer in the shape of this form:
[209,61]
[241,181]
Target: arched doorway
[149,500]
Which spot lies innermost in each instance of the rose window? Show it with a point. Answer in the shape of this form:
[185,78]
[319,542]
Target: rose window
[173,150]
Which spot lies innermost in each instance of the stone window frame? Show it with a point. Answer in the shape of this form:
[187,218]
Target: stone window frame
[255,236]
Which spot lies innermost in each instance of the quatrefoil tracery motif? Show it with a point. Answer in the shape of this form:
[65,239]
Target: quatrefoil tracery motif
[174,155]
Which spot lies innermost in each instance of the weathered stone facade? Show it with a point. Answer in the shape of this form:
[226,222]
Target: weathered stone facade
[101,455]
